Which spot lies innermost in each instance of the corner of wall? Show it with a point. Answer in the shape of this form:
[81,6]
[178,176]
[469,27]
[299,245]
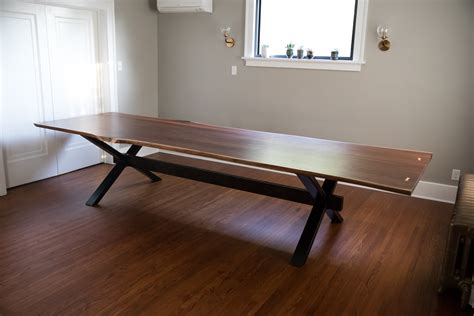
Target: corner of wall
[472,90]
[157,63]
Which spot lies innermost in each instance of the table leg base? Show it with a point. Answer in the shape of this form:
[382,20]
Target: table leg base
[321,198]
[322,195]
[121,162]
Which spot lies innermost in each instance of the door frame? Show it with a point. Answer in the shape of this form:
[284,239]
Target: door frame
[105,10]
[3,179]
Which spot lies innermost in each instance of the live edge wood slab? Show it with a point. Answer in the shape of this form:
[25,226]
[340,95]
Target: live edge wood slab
[382,168]
[388,169]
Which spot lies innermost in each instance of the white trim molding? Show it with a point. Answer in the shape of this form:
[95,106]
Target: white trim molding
[145,151]
[250,28]
[425,190]
[341,65]
[436,192]
[3,179]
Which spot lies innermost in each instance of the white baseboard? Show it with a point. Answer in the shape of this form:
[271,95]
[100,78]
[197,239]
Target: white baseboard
[436,191]
[145,151]
[424,190]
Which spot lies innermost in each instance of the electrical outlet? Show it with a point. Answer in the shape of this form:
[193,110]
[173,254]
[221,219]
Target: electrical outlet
[119,66]
[456,174]
[234,70]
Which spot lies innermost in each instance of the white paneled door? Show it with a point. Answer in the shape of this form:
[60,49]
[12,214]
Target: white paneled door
[48,71]
[74,54]
[29,152]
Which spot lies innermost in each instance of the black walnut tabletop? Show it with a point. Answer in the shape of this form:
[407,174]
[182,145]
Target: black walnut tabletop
[388,169]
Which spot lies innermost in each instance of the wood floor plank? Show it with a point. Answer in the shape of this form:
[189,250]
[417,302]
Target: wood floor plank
[179,247]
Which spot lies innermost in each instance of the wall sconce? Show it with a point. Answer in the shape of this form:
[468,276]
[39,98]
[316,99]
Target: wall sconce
[229,40]
[384,44]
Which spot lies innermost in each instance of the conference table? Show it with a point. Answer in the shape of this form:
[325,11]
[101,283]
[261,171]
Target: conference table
[387,169]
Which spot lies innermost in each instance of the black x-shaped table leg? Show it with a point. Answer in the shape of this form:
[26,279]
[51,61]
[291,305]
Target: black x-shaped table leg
[122,162]
[322,197]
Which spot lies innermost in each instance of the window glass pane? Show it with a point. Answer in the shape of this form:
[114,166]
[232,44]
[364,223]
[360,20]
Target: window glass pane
[322,25]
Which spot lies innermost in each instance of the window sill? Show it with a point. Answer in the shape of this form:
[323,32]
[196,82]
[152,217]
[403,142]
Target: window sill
[322,64]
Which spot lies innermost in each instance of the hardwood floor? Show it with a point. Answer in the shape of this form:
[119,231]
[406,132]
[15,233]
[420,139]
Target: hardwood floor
[180,247]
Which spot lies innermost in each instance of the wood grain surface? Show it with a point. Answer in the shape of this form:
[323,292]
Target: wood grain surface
[383,168]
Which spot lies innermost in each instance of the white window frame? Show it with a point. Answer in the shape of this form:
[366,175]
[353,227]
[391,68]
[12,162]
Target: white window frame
[342,65]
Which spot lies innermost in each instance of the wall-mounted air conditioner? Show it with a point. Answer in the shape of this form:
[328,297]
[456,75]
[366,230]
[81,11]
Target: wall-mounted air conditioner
[181,6]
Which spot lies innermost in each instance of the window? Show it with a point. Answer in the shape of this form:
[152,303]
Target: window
[320,25]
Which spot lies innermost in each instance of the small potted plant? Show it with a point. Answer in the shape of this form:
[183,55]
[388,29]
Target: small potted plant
[335,54]
[309,53]
[289,50]
[300,52]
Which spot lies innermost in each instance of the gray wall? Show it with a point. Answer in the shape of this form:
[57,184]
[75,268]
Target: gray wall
[418,95]
[472,85]
[136,29]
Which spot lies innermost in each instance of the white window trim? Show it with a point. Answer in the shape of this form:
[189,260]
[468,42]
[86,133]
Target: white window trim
[341,65]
